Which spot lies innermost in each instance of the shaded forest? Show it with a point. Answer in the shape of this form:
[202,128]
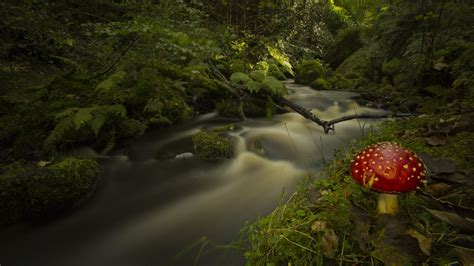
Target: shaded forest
[102,73]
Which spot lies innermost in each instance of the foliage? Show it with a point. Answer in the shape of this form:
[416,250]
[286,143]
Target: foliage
[72,123]
[211,146]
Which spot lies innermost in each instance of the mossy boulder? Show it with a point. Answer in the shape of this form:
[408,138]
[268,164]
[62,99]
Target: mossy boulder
[211,146]
[346,42]
[320,84]
[308,71]
[32,191]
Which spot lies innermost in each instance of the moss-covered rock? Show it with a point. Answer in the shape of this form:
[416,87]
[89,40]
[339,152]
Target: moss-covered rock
[308,71]
[211,146]
[60,186]
[37,191]
[320,84]
[347,41]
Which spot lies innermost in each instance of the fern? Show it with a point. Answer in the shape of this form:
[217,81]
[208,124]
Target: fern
[273,86]
[240,78]
[111,82]
[89,119]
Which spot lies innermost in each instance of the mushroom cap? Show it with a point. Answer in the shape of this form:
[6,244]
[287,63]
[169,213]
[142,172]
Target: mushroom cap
[389,168]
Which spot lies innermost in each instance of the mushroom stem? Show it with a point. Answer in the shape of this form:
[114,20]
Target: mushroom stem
[387,203]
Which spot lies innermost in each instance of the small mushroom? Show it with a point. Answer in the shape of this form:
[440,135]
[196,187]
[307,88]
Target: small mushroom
[388,168]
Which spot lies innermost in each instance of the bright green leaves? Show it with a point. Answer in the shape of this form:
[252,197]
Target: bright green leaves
[281,58]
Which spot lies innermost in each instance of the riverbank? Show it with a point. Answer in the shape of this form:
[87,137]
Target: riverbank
[331,219]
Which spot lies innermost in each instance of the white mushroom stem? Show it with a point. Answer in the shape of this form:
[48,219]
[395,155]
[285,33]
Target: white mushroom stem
[387,203]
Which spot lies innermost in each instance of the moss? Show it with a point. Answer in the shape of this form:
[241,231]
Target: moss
[364,63]
[308,71]
[339,82]
[320,84]
[30,191]
[60,186]
[211,146]
[347,41]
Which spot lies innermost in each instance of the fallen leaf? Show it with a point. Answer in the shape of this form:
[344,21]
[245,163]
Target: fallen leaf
[423,242]
[360,233]
[318,226]
[392,244]
[43,163]
[437,140]
[466,256]
[457,177]
[437,189]
[329,243]
[465,224]
[439,165]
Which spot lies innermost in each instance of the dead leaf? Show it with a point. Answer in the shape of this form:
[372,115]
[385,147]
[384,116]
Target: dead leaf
[43,163]
[329,243]
[318,226]
[423,242]
[466,256]
[437,140]
[439,165]
[465,224]
[361,228]
[457,177]
[392,244]
[437,189]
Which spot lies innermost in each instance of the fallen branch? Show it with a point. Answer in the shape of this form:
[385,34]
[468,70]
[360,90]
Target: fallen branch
[328,125]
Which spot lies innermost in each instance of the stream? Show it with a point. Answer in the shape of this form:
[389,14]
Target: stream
[158,205]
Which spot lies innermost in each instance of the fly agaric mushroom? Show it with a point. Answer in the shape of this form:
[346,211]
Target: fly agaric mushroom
[388,168]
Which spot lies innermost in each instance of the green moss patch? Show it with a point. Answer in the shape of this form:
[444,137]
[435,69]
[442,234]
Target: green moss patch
[211,146]
[37,192]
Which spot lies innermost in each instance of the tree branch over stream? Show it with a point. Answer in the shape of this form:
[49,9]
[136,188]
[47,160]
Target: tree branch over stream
[327,125]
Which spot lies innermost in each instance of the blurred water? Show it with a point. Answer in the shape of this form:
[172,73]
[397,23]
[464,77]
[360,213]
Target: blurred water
[151,206]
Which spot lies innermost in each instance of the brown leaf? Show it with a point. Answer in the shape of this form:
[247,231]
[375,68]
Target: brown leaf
[329,243]
[392,244]
[465,224]
[457,177]
[466,256]
[437,140]
[439,165]
[423,242]
[437,189]
[360,233]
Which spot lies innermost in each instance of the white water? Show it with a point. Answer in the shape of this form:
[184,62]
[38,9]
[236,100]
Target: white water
[151,206]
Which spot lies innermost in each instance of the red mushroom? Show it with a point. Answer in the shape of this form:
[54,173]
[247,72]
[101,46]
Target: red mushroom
[388,168]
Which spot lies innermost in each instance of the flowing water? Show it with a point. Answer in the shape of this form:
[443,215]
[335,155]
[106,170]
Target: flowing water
[153,207]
